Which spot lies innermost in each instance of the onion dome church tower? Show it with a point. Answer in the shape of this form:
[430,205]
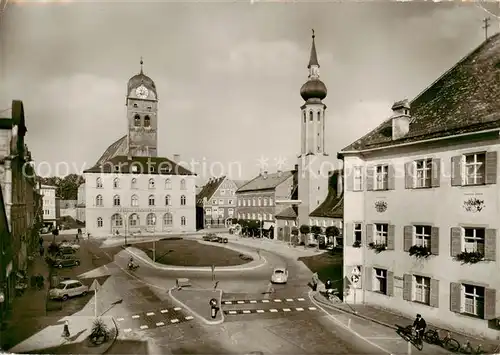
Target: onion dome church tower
[142,116]
[313,161]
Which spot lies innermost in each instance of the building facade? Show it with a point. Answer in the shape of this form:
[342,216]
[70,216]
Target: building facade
[421,202]
[49,204]
[331,211]
[217,200]
[80,204]
[131,190]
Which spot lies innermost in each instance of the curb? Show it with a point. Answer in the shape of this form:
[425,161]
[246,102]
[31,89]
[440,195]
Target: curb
[112,342]
[203,319]
[187,268]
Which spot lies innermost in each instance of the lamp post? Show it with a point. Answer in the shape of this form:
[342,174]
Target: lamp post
[154,240]
[125,228]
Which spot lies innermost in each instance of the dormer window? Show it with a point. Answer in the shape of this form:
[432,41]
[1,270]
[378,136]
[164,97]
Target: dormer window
[135,105]
[151,183]
[117,168]
[137,121]
[147,121]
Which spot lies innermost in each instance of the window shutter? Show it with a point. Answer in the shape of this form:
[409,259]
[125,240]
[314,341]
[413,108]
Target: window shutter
[435,240]
[490,168]
[349,181]
[407,238]
[409,175]
[490,244]
[369,234]
[370,175]
[390,283]
[456,241]
[455,297]
[391,231]
[436,172]
[368,278]
[349,234]
[456,170]
[490,300]
[391,177]
[407,287]
[434,293]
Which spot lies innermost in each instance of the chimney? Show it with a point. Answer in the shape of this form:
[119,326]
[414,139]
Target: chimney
[340,182]
[400,119]
[264,174]
[280,173]
[177,158]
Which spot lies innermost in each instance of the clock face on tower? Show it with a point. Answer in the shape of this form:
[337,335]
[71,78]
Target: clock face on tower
[142,92]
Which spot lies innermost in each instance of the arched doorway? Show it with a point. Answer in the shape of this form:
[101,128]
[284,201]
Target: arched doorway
[116,224]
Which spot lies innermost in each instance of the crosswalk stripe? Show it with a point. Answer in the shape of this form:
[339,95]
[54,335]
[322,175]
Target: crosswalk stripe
[247,311]
[253,301]
[260,311]
[150,314]
[312,308]
[127,330]
[120,319]
[300,299]
[277,300]
[189,317]
[135,317]
[177,308]
[286,309]
[228,302]
[299,309]
[265,301]
[289,299]
[159,324]
[273,310]
[144,327]
[175,320]
[241,302]
[164,311]
[233,312]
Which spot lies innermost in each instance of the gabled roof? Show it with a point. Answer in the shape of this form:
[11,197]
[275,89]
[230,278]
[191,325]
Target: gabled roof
[263,182]
[209,190]
[333,206]
[240,183]
[119,147]
[465,99]
[158,165]
[287,213]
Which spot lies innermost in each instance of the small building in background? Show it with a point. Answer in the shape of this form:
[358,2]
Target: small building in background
[80,204]
[49,206]
[217,203]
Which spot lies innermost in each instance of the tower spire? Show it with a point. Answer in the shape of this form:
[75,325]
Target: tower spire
[313,60]
[141,65]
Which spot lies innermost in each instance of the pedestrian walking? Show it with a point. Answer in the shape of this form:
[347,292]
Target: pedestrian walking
[77,238]
[40,241]
[65,333]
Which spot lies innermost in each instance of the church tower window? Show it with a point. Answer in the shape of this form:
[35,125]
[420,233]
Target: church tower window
[304,116]
[319,116]
[147,121]
[137,121]
[310,116]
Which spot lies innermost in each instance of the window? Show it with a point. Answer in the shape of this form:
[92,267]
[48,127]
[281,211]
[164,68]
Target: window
[253,216]
[116,220]
[183,184]
[167,219]
[265,201]
[183,221]
[98,183]
[147,121]
[116,183]
[230,202]
[98,200]
[135,105]
[381,230]
[239,216]
[135,169]
[474,240]
[474,169]
[244,202]
[422,289]
[214,202]
[222,192]
[117,168]
[116,200]
[134,201]
[358,232]
[149,107]
[151,184]
[382,177]
[230,212]
[151,219]
[473,300]
[254,202]
[259,201]
[221,202]
[310,116]
[183,200]
[167,200]
[133,183]
[133,220]
[137,120]
[423,173]
[319,118]
[168,184]
[99,222]
[239,202]
[271,201]
[259,216]
[304,117]
[423,236]
[208,210]
[270,216]
[358,178]
[151,200]
[380,284]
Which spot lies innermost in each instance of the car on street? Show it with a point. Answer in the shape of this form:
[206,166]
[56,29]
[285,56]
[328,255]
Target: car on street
[222,240]
[67,289]
[73,246]
[214,238]
[279,276]
[66,261]
[208,237]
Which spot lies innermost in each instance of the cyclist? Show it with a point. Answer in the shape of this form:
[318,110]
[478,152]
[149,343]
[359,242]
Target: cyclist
[419,324]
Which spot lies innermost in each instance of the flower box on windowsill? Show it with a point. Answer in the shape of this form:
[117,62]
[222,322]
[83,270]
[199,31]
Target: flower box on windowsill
[377,247]
[357,244]
[419,251]
[470,257]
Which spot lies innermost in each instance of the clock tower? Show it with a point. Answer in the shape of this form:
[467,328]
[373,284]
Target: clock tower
[142,116]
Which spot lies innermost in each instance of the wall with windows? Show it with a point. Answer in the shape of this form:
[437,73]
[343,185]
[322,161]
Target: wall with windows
[139,204]
[414,213]
[48,203]
[222,204]
[252,204]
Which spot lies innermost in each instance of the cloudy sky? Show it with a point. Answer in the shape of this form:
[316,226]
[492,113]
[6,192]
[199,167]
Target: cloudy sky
[228,74]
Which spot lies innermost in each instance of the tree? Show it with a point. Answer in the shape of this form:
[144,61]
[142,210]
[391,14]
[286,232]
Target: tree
[332,231]
[305,230]
[66,187]
[316,231]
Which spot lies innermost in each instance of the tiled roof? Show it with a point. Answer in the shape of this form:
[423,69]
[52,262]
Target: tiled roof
[240,183]
[333,206]
[289,212]
[208,190]
[465,99]
[158,165]
[119,147]
[271,181]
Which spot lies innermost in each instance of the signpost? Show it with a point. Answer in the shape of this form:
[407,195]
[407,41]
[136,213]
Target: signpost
[213,272]
[95,287]
[355,275]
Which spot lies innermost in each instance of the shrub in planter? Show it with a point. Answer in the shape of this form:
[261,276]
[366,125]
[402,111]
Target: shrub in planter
[471,257]
[357,244]
[378,247]
[99,333]
[419,251]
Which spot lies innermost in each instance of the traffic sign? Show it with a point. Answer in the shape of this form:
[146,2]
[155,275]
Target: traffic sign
[355,279]
[95,286]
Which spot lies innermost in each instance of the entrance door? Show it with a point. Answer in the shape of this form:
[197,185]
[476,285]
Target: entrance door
[286,232]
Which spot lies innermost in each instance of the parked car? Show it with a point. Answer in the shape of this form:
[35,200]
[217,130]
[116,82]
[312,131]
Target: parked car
[66,250]
[222,240]
[73,246]
[208,237]
[66,261]
[279,276]
[214,238]
[68,288]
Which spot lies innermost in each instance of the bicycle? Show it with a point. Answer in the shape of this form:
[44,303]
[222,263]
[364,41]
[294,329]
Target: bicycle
[432,337]
[410,335]
[468,349]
